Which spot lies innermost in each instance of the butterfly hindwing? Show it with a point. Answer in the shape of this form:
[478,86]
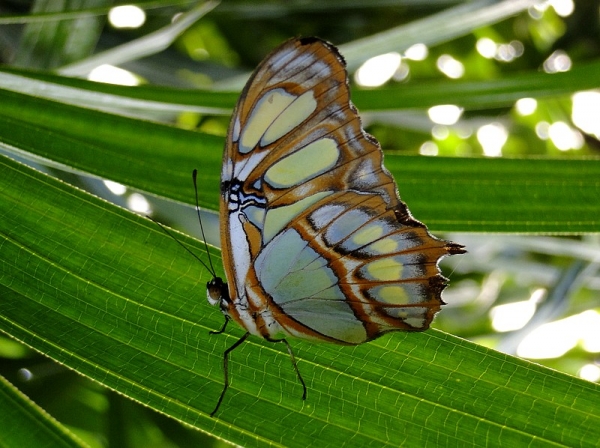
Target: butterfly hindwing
[346,271]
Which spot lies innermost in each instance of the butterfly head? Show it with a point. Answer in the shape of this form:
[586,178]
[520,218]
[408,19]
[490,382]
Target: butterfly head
[217,292]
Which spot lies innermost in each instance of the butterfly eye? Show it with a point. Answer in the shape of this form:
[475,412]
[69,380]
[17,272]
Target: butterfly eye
[216,291]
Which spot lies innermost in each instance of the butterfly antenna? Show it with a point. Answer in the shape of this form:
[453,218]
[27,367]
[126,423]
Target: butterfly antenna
[164,229]
[194,176]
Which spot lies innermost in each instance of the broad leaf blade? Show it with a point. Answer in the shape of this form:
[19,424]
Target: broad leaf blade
[109,295]
[501,195]
[479,95]
[52,43]
[25,424]
[537,195]
[469,94]
[149,156]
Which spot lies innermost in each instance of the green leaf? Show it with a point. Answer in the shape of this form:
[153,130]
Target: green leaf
[148,156]
[474,95]
[430,30]
[142,46]
[469,94]
[501,195]
[52,43]
[26,424]
[108,294]
[537,195]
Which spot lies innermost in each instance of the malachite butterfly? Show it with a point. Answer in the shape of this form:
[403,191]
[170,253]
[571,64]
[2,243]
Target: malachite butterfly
[316,242]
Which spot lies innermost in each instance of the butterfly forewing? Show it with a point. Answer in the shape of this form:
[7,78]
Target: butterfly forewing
[316,241]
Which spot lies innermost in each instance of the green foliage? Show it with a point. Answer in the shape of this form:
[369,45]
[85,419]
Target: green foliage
[106,293]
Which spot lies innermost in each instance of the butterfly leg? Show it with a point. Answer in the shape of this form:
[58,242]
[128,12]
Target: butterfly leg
[226,369]
[222,330]
[293,358]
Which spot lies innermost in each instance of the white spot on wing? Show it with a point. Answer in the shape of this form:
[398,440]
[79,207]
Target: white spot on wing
[324,215]
[243,170]
[235,135]
[227,170]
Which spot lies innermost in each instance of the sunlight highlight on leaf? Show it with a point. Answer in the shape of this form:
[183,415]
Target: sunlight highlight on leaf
[113,75]
[554,339]
[127,16]
[492,137]
[378,70]
[446,114]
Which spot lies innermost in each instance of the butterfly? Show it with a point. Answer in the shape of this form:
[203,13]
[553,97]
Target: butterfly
[316,243]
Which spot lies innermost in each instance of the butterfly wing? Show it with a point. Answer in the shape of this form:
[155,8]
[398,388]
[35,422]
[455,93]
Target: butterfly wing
[316,241]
